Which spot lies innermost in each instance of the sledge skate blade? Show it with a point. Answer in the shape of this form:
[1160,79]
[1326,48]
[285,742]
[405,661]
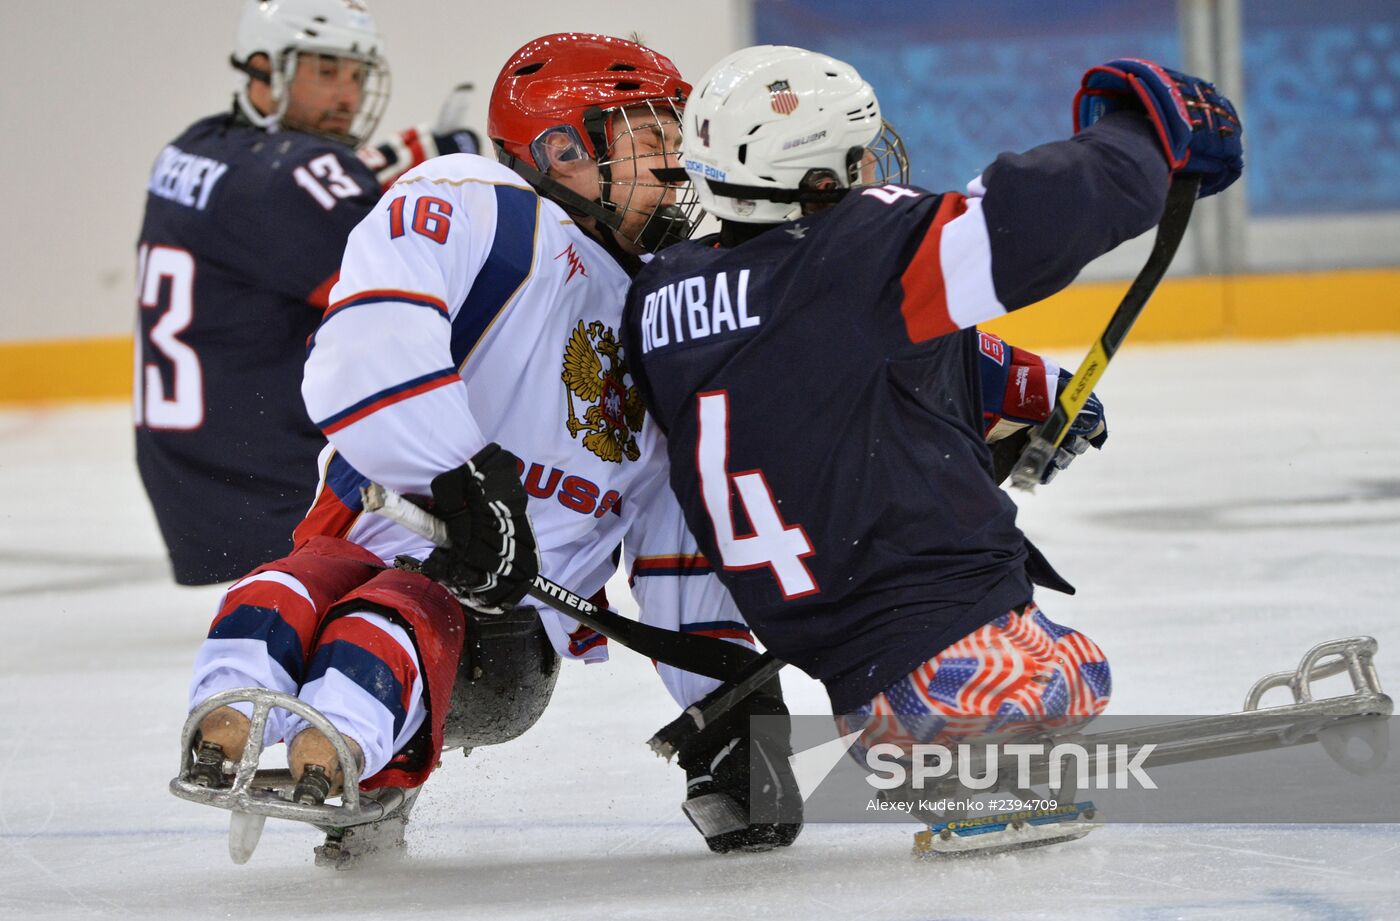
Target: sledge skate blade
[244,832]
[1007,831]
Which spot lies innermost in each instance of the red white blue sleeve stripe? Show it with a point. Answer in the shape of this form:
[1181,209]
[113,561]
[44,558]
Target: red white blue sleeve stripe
[387,397]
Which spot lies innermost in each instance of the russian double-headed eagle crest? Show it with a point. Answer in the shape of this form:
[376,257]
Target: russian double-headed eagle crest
[614,410]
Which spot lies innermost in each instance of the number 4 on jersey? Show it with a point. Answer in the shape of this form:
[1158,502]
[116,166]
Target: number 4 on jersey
[773,543]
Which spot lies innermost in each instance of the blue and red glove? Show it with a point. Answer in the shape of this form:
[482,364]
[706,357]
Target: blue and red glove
[1017,393]
[1199,129]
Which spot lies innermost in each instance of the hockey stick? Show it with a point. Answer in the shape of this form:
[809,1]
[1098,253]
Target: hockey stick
[1181,197]
[669,738]
[702,655]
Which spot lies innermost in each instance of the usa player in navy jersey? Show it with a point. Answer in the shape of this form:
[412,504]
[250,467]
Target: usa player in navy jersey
[828,400]
[246,217]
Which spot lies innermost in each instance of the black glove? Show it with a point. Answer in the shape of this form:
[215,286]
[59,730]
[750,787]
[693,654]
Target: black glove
[492,559]
[732,807]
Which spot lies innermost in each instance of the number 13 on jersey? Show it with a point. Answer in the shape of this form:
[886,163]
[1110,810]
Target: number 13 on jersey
[773,543]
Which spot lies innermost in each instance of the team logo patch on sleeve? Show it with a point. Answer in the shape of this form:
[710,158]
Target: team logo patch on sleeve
[992,347]
[613,411]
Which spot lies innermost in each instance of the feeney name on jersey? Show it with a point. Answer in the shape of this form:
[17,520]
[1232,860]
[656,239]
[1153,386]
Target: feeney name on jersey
[185,178]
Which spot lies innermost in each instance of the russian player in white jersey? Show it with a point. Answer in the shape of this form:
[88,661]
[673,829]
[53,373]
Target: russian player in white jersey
[478,306]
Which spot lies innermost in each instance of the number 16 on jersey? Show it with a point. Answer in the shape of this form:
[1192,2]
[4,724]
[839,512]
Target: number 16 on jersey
[773,543]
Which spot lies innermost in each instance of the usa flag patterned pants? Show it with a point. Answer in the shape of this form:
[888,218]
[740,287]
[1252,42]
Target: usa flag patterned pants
[1021,674]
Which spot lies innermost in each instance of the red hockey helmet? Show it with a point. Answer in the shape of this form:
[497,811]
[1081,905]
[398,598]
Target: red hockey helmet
[554,80]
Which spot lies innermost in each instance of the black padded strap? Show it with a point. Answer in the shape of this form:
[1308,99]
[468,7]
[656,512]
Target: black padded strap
[782,196]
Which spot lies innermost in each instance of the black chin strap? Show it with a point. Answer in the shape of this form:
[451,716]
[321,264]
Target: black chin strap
[631,263]
[805,196]
[256,73]
[781,196]
[595,124]
[556,191]
[667,225]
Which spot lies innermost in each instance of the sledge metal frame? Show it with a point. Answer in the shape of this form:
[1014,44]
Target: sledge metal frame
[1332,721]
[261,792]
[1257,728]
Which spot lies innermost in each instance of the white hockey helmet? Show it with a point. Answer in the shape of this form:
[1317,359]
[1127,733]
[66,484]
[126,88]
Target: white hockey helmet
[285,29]
[771,128]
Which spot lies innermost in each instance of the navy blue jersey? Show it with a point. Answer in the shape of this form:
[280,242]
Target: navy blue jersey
[239,248]
[820,388]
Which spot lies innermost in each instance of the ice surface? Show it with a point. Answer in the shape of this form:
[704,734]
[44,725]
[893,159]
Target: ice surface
[1246,508]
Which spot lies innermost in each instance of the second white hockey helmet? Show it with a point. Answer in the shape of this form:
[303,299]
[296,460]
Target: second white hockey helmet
[770,126]
[286,29]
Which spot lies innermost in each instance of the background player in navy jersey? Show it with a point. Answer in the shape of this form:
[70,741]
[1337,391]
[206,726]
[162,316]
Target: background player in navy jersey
[827,398]
[246,218]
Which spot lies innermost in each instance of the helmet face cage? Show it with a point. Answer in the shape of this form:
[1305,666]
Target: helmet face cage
[644,136]
[881,161]
[371,74]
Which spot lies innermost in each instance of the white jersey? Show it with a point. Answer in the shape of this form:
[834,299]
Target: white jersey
[471,310]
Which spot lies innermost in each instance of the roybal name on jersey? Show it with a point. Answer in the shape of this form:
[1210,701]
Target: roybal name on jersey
[695,308]
[185,178]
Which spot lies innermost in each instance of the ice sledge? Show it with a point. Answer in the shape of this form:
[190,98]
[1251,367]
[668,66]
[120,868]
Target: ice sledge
[1334,722]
